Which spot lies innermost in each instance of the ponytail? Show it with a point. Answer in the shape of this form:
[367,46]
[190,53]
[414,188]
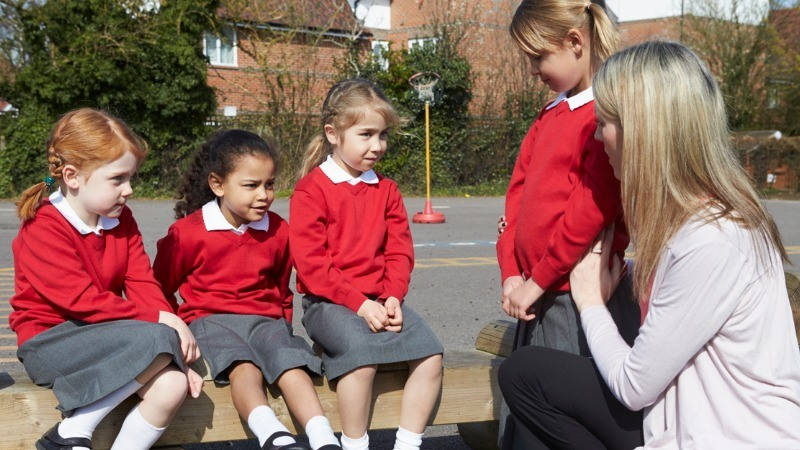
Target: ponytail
[30,200]
[541,25]
[316,152]
[605,38]
[85,138]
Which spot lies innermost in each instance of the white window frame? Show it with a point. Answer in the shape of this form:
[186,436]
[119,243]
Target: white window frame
[384,47]
[421,41]
[215,60]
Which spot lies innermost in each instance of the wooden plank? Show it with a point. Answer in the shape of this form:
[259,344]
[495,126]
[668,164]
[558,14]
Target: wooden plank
[469,394]
[496,338]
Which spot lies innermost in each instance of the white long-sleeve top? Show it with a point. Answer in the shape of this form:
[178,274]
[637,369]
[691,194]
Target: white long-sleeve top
[716,363]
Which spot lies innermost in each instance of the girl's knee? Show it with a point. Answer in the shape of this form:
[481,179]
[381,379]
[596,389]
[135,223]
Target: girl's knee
[170,386]
[430,366]
[363,373]
[245,372]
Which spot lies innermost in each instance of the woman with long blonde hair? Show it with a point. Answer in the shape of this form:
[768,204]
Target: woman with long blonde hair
[716,362]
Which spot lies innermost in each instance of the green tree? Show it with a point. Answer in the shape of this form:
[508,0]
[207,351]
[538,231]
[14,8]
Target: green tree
[138,59]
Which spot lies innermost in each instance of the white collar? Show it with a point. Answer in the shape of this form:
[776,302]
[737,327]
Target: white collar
[215,221]
[576,101]
[338,175]
[61,204]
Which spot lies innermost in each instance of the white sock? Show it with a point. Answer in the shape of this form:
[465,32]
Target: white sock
[319,432]
[263,423]
[84,420]
[136,433]
[407,440]
[361,443]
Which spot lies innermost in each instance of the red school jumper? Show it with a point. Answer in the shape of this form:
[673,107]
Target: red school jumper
[350,242]
[61,274]
[222,272]
[562,194]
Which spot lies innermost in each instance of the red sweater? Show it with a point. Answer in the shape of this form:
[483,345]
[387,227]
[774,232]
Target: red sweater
[350,242]
[221,272]
[562,194]
[60,275]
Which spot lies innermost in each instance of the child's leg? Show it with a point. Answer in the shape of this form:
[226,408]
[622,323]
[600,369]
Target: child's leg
[161,397]
[354,396]
[301,398]
[250,401]
[83,421]
[419,397]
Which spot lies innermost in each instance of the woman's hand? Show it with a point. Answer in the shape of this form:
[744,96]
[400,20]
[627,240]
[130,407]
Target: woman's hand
[195,383]
[375,315]
[591,281]
[188,343]
[521,300]
[394,313]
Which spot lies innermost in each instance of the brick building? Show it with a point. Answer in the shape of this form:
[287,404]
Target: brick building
[276,54]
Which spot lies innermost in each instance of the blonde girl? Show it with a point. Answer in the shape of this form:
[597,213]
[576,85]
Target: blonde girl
[241,313]
[91,321]
[716,362]
[561,174]
[353,252]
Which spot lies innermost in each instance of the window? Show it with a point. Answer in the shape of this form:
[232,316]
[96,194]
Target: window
[379,48]
[422,42]
[220,50]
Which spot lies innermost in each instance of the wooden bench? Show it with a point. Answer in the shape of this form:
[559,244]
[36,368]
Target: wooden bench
[469,394]
[470,398]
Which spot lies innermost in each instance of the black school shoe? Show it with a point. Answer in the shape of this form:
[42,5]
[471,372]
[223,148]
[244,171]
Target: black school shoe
[295,446]
[53,441]
[330,447]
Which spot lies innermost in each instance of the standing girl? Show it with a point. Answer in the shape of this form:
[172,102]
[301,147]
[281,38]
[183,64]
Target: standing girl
[353,251]
[715,365]
[228,256]
[90,319]
[562,191]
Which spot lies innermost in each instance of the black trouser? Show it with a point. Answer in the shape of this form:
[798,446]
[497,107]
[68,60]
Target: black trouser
[565,403]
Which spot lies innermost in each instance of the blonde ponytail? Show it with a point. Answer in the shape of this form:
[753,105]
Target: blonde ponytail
[541,25]
[605,38]
[316,153]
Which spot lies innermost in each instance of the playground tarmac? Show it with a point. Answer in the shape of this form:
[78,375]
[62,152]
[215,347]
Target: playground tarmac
[455,285]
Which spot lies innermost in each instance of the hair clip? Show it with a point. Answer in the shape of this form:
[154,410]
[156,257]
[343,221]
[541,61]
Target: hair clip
[48,182]
[588,6]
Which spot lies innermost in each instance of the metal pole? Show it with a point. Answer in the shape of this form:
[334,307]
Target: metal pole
[427,150]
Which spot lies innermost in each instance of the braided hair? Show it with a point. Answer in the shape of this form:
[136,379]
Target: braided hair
[85,138]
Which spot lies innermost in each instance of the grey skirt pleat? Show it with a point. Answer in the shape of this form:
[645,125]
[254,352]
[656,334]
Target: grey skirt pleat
[270,344]
[348,343]
[84,363]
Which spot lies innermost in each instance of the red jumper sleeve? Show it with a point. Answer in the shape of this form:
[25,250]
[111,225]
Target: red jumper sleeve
[56,271]
[309,249]
[593,205]
[141,286]
[282,274]
[399,248]
[171,265]
[506,257]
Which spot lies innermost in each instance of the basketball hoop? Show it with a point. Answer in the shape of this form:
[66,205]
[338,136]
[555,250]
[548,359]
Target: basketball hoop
[424,83]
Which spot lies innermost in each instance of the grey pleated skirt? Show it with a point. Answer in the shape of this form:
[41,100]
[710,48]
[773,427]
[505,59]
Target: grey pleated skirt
[558,323]
[84,363]
[270,344]
[348,343]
